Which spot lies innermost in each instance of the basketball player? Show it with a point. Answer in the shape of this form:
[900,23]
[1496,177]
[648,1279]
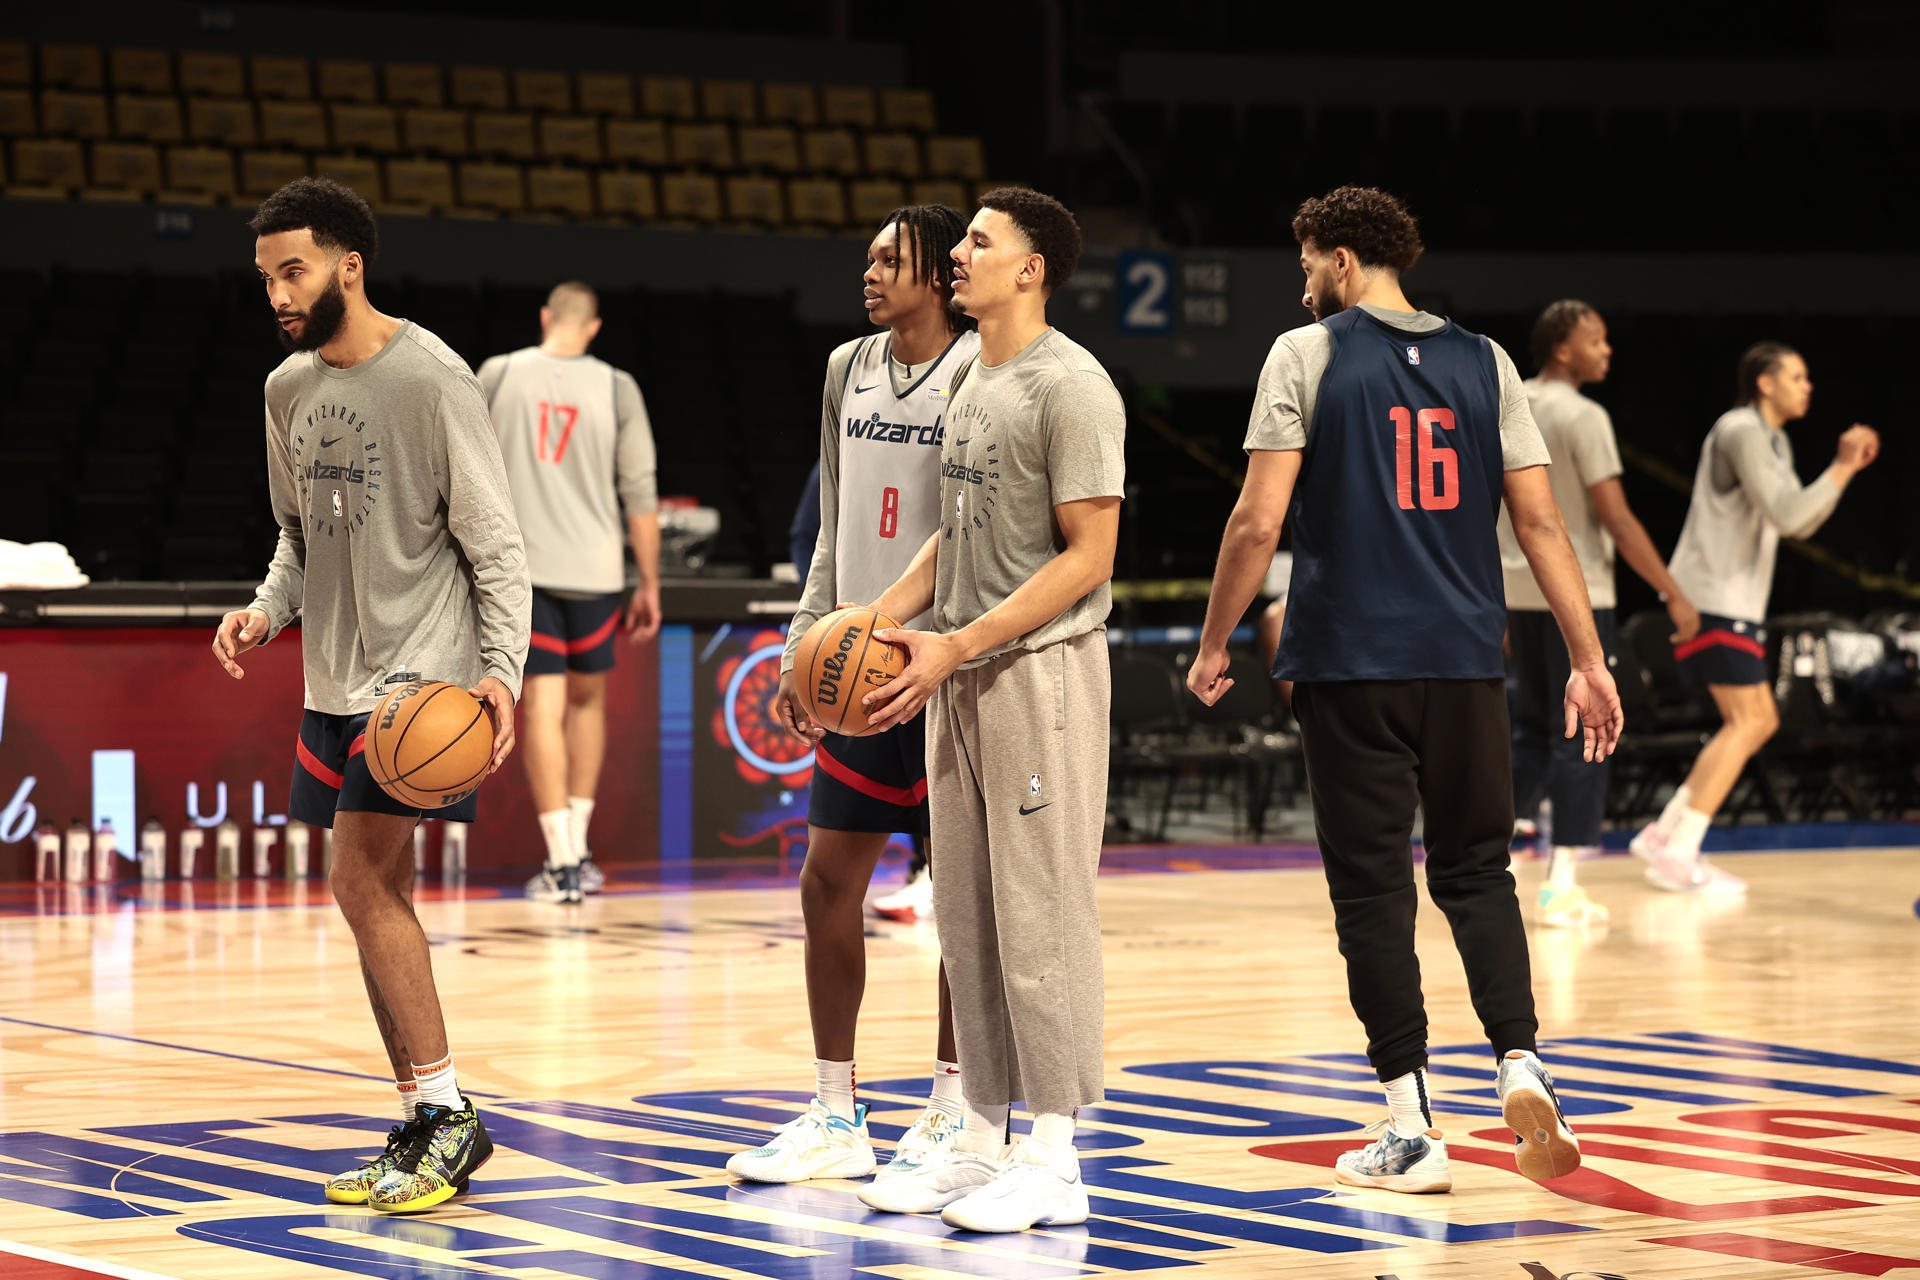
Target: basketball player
[1015,679]
[1745,496]
[1570,349]
[883,414]
[1392,434]
[578,448]
[397,549]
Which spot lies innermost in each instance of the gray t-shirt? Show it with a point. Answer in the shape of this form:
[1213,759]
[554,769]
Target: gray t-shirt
[398,545]
[1579,435]
[578,447]
[1289,390]
[1044,428]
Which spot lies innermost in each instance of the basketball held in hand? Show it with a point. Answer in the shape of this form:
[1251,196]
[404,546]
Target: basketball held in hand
[429,744]
[839,663]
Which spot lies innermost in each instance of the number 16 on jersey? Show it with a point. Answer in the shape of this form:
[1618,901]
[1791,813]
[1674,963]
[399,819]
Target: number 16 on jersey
[1438,491]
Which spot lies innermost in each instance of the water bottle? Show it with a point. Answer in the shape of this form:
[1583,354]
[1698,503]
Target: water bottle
[263,838]
[453,848]
[79,845]
[299,836]
[153,850]
[190,842]
[226,850]
[46,853]
[105,847]
[419,849]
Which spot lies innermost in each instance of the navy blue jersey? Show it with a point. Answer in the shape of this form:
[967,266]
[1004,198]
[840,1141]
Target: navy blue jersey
[1396,564]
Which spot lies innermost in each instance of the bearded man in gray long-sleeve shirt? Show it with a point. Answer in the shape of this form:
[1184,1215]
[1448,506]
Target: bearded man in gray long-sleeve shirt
[399,550]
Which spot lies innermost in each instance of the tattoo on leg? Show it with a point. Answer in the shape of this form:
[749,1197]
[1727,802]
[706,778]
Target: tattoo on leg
[396,1045]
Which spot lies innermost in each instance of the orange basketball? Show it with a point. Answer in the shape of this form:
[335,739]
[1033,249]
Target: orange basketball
[429,744]
[839,662]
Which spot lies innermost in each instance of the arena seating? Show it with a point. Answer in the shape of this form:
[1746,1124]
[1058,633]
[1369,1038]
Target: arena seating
[216,128]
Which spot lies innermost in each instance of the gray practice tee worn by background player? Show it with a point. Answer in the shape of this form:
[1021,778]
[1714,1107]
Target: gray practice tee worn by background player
[398,545]
[1289,390]
[577,445]
[882,426]
[1045,427]
[1579,435]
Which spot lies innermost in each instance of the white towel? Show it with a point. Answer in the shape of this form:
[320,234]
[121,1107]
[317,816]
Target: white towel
[37,566]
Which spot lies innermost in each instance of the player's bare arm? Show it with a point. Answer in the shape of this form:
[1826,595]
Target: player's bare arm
[1091,528]
[1609,498]
[1246,549]
[238,632]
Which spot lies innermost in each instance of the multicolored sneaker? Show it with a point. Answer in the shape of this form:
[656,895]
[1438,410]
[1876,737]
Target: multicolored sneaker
[931,1135]
[355,1185]
[1567,907]
[815,1144]
[1415,1166]
[592,878]
[1543,1145]
[438,1159]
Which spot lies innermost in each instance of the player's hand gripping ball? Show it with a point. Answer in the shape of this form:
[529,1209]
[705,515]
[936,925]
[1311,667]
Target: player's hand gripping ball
[429,744]
[839,662]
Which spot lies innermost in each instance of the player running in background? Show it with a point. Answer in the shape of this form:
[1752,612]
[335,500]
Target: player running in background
[578,449]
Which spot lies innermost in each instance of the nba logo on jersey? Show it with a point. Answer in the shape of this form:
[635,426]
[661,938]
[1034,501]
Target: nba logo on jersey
[338,509]
[1413,355]
[1033,784]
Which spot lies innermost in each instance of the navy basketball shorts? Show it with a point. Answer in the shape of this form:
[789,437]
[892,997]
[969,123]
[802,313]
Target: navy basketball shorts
[1727,651]
[330,776]
[573,633]
[872,784]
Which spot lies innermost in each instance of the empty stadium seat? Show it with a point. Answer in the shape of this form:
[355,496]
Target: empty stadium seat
[754,200]
[264,172]
[439,131]
[488,185]
[295,124]
[605,93]
[560,189]
[428,183]
[483,88]
[870,200]
[348,80]
[70,114]
[832,151]
[627,195]
[71,66]
[208,170]
[773,147]
[358,173]
[690,196]
[542,91]
[956,158]
[504,134]
[227,121]
[49,162]
[414,84]
[141,70]
[148,117]
[17,116]
[893,154]
[907,109]
[212,75]
[16,64]
[668,96]
[126,166]
[364,127]
[570,138]
[275,76]
[704,145]
[729,100]
[941,191]
[789,104]
[637,142]
[848,104]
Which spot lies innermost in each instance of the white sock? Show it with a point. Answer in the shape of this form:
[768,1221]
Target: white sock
[409,1098]
[1409,1113]
[1675,807]
[580,808]
[946,1088]
[833,1085]
[1689,830]
[1560,866]
[554,826]
[985,1130]
[1051,1141]
[437,1085]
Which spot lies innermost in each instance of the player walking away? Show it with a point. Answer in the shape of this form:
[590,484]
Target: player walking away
[578,448]
[884,411]
[1014,676]
[1570,350]
[1392,434]
[398,550]
[1746,494]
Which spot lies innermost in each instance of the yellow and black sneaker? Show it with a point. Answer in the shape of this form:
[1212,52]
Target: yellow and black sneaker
[435,1161]
[355,1185]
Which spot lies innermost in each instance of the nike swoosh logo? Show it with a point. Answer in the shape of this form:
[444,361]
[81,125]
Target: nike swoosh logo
[328,444]
[860,391]
[1024,811]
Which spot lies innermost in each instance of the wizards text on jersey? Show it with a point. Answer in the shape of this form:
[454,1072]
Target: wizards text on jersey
[874,428]
[342,453]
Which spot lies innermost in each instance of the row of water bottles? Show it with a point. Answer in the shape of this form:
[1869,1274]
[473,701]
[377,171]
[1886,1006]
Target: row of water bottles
[81,854]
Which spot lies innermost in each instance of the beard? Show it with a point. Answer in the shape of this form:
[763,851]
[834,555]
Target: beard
[321,321]
[1326,300]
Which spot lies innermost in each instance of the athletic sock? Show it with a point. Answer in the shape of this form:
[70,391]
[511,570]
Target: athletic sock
[1560,866]
[1409,1113]
[437,1085]
[554,826]
[409,1099]
[985,1130]
[580,813]
[1670,815]
[946,1088]
[833,1085]
[1689,830]
[1051,1141]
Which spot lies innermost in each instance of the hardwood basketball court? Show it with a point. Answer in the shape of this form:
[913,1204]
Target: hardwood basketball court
[176,1082]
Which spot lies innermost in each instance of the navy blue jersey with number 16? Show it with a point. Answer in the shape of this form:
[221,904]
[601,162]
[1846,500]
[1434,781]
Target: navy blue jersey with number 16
[1396,564]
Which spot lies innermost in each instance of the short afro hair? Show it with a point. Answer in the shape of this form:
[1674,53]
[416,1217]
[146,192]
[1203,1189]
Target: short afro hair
[1374,225]
[340,220]
[1048,226]
[1555,325]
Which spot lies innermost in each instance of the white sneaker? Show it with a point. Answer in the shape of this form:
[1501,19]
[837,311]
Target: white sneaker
[1544,1145]
[910,902]
[816,1144]
[937,1183]
[1416,1165]
[1023,1195]
[1649,842]
[932,1134]
[1709,878]
[592,879]
[546,886]
[1567,908]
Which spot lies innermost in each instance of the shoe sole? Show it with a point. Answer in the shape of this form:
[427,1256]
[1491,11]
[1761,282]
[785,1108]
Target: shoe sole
[1545,1151]
[1073,1216]
[900,915]
[438,1197]
[347,1197]
[1412,1184]
[935,1200]
[855,1170]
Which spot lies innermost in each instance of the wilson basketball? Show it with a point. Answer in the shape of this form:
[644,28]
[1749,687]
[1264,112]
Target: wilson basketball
[429,743]
[839,663]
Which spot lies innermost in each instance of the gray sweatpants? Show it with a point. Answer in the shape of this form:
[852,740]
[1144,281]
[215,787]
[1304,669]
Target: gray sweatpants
[1017,784]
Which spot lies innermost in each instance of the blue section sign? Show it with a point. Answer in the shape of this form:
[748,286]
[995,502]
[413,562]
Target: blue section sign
[1143,291]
